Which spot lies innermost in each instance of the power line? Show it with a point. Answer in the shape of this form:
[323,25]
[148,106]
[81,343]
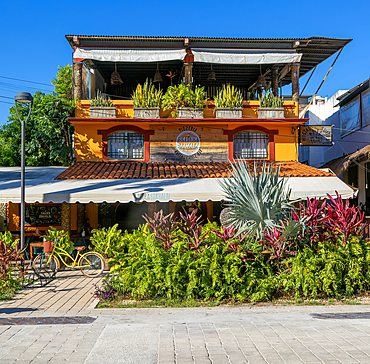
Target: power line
[17,79]
[5,102]
[6,97]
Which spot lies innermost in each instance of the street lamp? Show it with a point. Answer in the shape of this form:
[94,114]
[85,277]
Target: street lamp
[23,98]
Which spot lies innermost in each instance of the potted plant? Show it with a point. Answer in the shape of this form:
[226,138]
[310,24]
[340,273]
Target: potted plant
[188,103]
[102,107]
[271,106]
[147,101]
[228,103]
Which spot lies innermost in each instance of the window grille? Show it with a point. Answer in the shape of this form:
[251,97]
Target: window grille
[250,145]
[125,145]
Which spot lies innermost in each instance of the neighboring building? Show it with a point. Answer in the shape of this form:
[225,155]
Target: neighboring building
[349,113]
[127,166]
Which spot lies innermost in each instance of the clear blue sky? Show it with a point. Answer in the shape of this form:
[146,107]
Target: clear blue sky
[33,42]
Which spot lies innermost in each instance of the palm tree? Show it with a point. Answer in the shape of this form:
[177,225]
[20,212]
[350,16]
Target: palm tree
[257,197]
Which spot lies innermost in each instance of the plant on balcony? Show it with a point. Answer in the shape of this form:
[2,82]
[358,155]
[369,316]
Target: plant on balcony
[147,101]
[229,102]
[102,107]
[189,103]
[271,106]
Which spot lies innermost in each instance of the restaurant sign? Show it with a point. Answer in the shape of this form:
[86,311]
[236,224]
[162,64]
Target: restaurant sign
[315,135]
[188,142]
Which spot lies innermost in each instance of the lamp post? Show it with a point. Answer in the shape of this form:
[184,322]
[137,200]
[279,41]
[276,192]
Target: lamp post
[21,98]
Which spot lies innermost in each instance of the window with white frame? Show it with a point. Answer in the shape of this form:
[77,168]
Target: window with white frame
[125,145]
[251,145]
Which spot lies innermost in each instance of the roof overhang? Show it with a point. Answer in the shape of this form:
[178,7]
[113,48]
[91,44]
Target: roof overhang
[311,51]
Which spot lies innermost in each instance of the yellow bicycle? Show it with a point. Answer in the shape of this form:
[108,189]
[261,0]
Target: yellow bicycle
[46,265]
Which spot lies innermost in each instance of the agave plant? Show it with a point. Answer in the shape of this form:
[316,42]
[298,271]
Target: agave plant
[270,100]
[258,198]
[229,96]
[147,95]
[101,101]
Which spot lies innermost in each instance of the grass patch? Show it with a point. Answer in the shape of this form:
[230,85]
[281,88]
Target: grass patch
[9,293]
[126,302]
[120,302]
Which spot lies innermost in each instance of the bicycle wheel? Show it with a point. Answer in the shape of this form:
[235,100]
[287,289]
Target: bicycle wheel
[91,264]
[45,266]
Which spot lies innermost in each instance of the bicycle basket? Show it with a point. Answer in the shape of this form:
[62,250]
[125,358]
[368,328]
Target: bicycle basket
[48,246]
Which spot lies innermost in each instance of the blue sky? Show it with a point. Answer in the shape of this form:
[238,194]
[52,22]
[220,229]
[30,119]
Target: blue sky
[33,42]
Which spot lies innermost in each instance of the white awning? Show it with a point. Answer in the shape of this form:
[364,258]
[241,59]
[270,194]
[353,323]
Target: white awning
[245,56]
[129,55]
[150,190]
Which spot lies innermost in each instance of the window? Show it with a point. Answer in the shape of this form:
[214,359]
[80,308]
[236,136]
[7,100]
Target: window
[250,145]
[125,145]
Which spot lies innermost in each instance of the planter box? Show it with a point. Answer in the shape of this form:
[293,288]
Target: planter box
[229,112]
[102,112]
[146,112]
[270,113]
[189,113]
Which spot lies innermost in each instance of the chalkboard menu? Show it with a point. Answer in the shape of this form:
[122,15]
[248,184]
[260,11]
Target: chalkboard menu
[40,215]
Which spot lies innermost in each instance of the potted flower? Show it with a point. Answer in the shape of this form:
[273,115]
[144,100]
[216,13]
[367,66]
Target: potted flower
[228,103]
[188,103]
[147,101]
[271,106]
[102,107]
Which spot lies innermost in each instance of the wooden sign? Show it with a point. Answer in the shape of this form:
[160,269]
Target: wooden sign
[315,135]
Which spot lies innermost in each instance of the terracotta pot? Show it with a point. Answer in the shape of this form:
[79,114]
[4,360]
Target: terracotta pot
[48,246]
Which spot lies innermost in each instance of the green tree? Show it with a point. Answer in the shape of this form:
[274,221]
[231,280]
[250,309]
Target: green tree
[48,132]
[63,82]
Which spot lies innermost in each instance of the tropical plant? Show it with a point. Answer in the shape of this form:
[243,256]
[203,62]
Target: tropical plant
[258,198]
[191,227]
[183,96]
[147,95]
[107,241]
[163,227]
[60,238]
[270,100]
[229,96]
[341,218]
[312,213]
[101,101]
[11,269]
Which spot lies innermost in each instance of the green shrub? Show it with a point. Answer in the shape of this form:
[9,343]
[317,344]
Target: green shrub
[60,238]
[108,241]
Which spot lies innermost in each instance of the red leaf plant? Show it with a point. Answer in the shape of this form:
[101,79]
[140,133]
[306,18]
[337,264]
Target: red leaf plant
[342,218]
[313,218]
[278,245]
[8,255]
[163,227]
[192,229]
[227,235]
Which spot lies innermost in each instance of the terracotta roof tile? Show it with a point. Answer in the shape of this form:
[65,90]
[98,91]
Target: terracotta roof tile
[147,170]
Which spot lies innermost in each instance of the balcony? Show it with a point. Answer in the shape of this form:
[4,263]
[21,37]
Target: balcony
[124,110]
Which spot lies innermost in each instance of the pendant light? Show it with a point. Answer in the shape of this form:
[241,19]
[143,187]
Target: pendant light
[211,75]
[115,78]
[261,81]
[157,76]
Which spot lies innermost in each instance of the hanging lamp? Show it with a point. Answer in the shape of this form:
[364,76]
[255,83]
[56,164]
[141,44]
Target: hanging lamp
[115,78]
[211,75]
[157,76]
[261,81]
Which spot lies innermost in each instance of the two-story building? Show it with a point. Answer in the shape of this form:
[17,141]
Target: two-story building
[125,166]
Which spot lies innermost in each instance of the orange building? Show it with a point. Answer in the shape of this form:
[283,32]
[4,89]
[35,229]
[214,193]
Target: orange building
[126,166]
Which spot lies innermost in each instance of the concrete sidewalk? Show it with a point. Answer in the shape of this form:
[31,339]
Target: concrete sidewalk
[243,334]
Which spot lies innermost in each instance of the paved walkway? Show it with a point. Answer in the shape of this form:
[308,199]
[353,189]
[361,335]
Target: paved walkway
[242,334]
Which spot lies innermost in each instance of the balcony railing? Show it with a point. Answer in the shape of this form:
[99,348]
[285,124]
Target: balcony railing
[124,109]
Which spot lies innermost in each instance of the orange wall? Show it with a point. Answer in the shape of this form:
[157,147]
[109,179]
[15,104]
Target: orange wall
[88,143]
